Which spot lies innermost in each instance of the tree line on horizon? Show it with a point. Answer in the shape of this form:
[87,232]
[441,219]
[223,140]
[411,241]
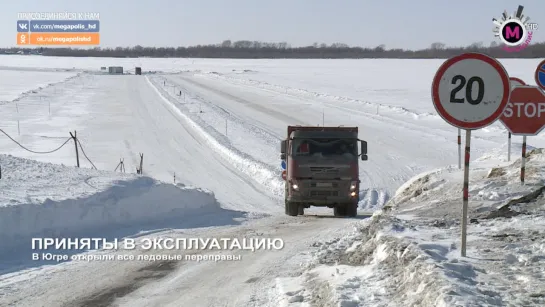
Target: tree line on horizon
[246,49]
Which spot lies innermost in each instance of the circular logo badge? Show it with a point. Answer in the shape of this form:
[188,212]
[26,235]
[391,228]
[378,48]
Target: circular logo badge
[513,32]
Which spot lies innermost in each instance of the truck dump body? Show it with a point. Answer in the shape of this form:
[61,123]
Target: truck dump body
[312,128]
[322,168]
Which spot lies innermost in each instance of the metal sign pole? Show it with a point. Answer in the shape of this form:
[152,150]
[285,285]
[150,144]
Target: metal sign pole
[465,201]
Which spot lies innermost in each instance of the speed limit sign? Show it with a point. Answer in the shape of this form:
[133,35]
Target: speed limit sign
[470,91]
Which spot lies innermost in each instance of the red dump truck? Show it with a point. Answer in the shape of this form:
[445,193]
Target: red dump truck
[321,168]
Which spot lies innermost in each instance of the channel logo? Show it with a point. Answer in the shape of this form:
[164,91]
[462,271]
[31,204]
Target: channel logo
[514,31]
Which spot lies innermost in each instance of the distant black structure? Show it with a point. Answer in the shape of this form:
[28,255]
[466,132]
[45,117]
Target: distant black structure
[115,70]
[260,50]
[138,71]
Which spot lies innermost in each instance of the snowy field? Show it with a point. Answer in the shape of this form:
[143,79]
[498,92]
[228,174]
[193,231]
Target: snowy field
[209,132]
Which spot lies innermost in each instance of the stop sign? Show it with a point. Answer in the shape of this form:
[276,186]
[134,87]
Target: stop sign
[525,112]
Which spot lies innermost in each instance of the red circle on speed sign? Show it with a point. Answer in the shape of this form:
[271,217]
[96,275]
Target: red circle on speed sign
[470,91]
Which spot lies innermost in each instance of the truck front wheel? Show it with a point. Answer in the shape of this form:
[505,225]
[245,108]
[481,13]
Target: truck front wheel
[339,210]
[292,209]
[351,210]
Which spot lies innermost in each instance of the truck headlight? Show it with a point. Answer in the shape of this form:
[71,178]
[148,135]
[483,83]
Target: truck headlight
[295,186]
[352,187]
[353,194]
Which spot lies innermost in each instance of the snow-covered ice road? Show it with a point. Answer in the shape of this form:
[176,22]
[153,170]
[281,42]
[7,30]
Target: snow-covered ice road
[130,114]
[397,147]
[172,146]
[187,283]
[230,148]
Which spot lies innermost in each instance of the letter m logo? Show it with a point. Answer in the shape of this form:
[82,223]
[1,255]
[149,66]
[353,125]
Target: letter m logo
[510,32]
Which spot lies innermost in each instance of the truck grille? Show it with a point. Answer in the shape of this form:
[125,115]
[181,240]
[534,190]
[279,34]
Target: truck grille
[324,193]
[323,169]
[317,185]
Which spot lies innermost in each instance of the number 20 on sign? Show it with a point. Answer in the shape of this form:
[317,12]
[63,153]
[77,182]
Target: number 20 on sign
[470,91]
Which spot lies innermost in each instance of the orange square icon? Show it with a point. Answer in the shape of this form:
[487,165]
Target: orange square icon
[23,38]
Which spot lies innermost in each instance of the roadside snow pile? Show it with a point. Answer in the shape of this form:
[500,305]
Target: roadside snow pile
[47,200]
[369,268]
[493,182]
[260,172]
[409,253]
[506,238]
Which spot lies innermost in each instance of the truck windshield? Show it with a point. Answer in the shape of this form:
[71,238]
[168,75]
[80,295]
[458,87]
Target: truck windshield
[325,147]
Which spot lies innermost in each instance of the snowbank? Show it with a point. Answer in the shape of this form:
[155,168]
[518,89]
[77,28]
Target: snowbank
[367,268]
[409,253]
[492,183]
[40,199]
[260,172]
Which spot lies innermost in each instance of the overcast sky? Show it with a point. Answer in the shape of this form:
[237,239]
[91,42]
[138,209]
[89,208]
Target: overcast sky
[395,23]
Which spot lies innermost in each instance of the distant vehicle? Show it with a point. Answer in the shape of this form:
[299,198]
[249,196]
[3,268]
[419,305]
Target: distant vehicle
[322,169]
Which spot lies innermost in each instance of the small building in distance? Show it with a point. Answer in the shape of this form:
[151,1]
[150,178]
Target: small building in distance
[116,70]
[138,71]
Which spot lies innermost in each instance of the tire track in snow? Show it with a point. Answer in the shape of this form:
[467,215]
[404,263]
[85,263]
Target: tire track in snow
[372,199]
[153,272]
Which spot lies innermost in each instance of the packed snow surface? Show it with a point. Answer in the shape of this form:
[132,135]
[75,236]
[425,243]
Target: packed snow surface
[207,133]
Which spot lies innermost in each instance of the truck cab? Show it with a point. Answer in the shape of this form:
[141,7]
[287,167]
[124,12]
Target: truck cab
[322,169]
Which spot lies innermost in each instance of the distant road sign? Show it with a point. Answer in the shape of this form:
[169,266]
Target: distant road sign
[516,82]
[470,91]
[525,112]
[540,75]
[283,164]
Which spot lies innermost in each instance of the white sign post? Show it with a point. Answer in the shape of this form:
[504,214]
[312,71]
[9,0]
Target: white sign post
[509,147]
[459,148]
[470,91]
